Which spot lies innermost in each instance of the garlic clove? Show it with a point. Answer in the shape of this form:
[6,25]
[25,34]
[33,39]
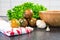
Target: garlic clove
[47,29]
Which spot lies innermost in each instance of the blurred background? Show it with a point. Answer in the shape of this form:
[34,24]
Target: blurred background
[8,4]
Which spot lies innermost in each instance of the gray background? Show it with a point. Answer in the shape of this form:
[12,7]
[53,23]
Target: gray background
[8,4]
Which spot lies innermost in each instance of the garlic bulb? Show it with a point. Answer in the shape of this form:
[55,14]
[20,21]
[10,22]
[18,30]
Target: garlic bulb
[40,24]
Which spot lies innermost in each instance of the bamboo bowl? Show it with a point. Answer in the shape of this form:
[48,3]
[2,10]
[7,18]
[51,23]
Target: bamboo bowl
[52,18]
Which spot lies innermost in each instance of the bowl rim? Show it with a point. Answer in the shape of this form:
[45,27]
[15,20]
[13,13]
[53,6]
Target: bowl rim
[50,11]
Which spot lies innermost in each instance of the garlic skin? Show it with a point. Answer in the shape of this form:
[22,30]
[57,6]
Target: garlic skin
[40,24]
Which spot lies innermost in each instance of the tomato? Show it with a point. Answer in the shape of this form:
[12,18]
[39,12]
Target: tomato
[32,22]
[23,22]
[14,23]
[28,13]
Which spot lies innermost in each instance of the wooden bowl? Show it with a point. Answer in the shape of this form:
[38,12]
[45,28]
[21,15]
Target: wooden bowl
[51,17]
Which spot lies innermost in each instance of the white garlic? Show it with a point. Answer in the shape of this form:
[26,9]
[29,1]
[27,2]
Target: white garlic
[40,24]
[47,29]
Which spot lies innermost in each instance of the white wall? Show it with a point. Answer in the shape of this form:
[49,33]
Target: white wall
[4,6]
[7,4]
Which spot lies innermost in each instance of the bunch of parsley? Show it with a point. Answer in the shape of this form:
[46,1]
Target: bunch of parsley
[18,11]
